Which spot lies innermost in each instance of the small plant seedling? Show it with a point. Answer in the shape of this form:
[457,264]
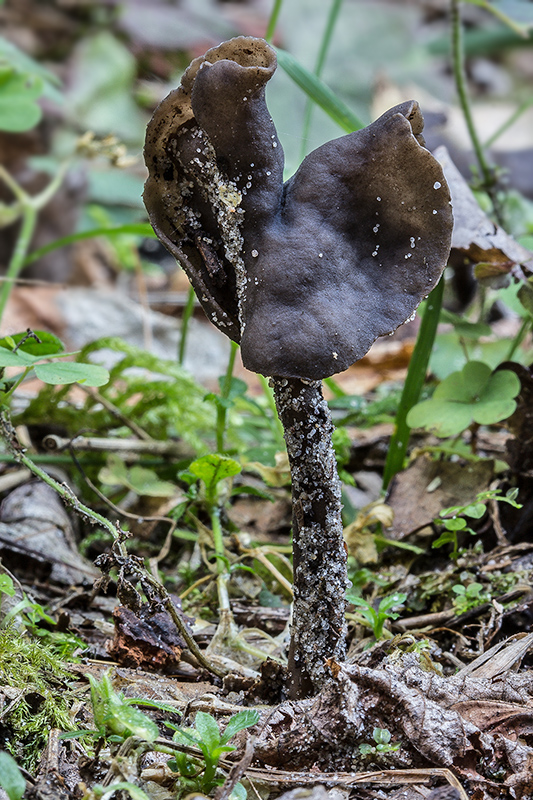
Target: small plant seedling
[207,737]
[452,518]
[373,619]
[114,717]
[475,394]
[468,597]
[11,778]
[382,738]
[212,470]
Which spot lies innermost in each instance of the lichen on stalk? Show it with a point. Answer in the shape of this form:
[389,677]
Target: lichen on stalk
[319,553]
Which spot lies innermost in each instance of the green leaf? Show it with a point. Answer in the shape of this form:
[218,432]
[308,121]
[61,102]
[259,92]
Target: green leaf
[72,372]
[238,792]
[18,94]
[19,359]
[457,524]
[475,394]
[447,537]
[213,468]
[6,585]
[319,92]
[140,229]
[48,344]
[396,599]
[114,716]
[22,63]
[145,482]
[185,735]
[209,732]
[115,473]
[11,779]
[141,480]
[381,735]
[216,752]
[101,96]
[238,722]
[125,721]
[475,511]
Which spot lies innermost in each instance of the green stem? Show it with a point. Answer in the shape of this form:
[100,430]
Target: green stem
[30,207]
[520,30]
[209,775]
[19,379]
[272,22]
[413,383]
[508,122]
[269,395]
[218,541]
[319,66]
[16,263]
[185,317]
[458,61]
[68,496]
[222,411]
[518,339]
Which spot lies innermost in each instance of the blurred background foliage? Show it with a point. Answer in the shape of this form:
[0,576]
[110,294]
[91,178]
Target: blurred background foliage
[115,60]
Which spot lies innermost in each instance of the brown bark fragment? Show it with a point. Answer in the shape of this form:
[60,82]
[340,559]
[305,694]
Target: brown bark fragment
[151,643]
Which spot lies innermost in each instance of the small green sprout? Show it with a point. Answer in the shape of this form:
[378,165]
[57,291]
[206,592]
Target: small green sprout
[382,744]
[468,597]
[114,717]
[452,519]
[207,737]
[373,619]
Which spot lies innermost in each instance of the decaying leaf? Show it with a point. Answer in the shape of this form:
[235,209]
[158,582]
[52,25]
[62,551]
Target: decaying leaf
[37,539]
[421,710]
[358,536]
[147,641]
[496,253]
[420,492]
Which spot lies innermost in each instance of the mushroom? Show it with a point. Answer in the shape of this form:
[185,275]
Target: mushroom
[305,275]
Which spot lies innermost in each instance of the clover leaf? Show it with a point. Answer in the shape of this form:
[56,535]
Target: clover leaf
[19,92]
[474,394]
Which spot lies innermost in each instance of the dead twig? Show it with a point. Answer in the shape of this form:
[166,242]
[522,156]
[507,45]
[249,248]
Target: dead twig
[236,772]
[100,444]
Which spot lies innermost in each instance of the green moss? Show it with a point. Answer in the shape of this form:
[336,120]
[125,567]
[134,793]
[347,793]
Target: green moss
[38,687]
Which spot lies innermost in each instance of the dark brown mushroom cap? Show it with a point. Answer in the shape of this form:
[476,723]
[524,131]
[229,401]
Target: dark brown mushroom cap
[308,274]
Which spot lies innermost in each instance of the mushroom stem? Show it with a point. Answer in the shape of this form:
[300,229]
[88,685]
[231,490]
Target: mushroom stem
[319,554]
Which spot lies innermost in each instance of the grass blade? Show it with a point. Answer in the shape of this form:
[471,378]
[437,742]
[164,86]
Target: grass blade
[139,229]
[413,383]
[319,92]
